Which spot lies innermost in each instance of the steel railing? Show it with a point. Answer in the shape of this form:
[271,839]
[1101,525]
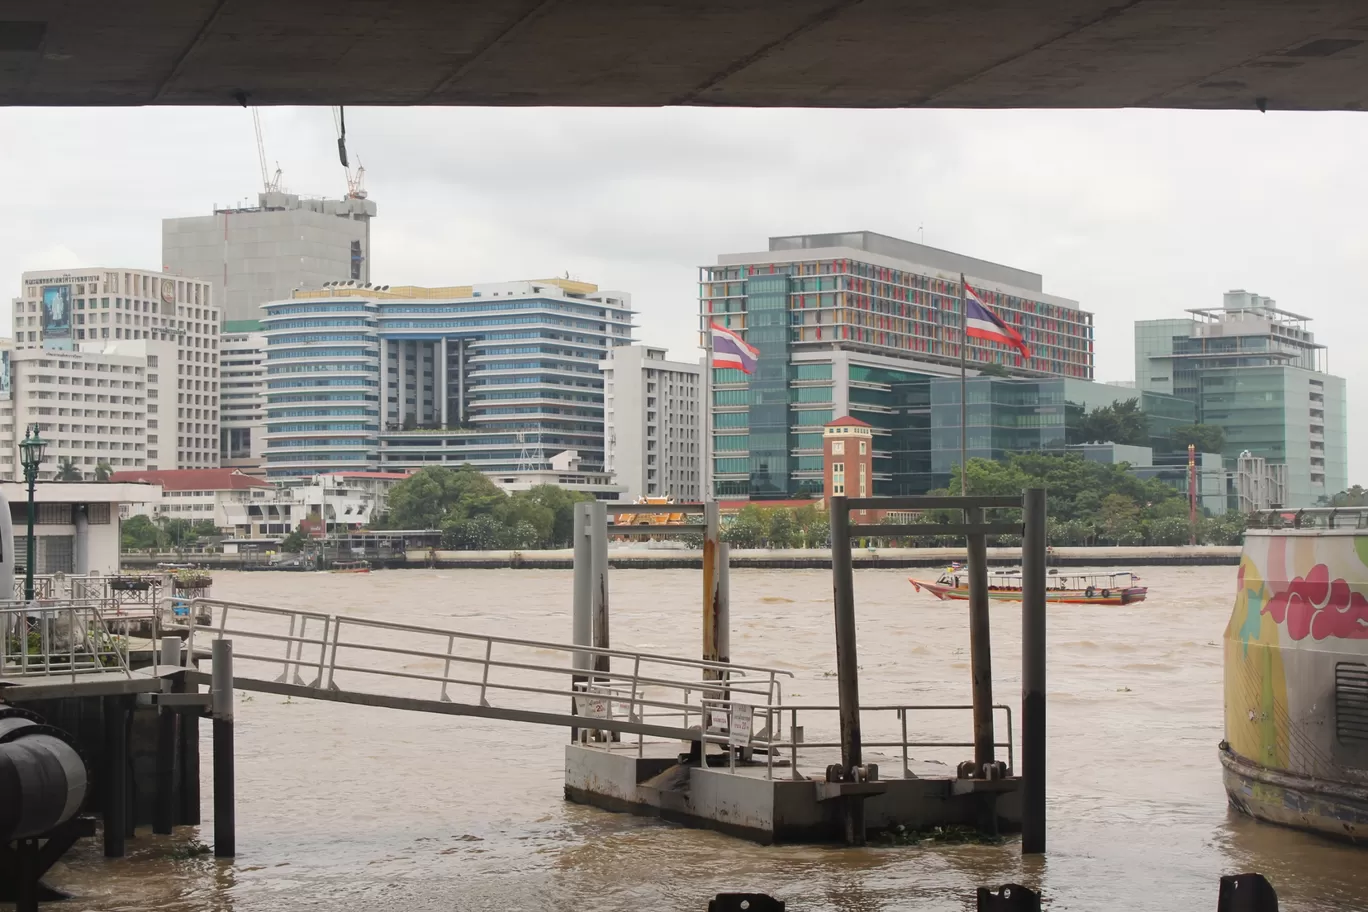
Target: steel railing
[70,638]
[334,652]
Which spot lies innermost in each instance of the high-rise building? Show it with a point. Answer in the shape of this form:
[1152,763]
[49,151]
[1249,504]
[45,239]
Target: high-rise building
[168,320]
[1257,372]
[89,404]
[263,253]
[653,415]
[242,397]
[502,376]
[859,325]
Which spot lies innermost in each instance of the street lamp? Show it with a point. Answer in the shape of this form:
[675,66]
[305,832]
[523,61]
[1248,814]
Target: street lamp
[31,450]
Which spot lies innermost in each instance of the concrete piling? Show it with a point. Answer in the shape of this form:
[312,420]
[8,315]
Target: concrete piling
[225,803]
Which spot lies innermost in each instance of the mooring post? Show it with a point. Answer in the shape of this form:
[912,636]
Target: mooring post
[188,808]
[221,703]
[583,616]
[723,610]
[598,588]
[116,776]
[980,641]
[1033,674]
[164,807]
[712,579]
[847,664]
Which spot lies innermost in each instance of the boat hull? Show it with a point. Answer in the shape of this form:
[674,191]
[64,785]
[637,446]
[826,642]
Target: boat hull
[1127,596]
[1331,809]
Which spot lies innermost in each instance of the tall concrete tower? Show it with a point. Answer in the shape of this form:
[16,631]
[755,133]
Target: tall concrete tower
[257,254]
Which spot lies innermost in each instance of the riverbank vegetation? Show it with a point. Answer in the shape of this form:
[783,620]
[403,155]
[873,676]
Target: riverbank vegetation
[475,515]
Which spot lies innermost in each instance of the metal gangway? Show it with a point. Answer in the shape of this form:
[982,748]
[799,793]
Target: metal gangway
[627,700]
[367,662]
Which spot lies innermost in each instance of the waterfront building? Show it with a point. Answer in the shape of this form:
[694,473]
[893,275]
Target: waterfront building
[255,254]
[77,525]
[564,470]
[1257,372]
[500,376]
[242,397]
[90,404]
[653,418]
[241,505]
[169,321]
[859,325]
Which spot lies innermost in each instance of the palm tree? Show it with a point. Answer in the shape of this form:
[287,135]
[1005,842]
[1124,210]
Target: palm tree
[67,471]
[103,470]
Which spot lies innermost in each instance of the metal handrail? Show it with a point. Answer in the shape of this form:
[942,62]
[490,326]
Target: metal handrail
[318,649]
[774,744]
[85,616]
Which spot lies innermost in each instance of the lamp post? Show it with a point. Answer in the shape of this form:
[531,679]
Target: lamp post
[31,450]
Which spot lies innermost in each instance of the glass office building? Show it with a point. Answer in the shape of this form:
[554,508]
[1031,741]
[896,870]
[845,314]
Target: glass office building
[500,376]
[859,324]
[1015,416]
[1257,372]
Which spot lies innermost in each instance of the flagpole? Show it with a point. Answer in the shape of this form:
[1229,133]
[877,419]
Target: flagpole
[964,401]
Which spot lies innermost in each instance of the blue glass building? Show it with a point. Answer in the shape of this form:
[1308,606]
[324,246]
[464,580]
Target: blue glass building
[500,376]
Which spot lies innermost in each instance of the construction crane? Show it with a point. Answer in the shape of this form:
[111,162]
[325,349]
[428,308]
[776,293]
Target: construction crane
[355,179]
[269,183]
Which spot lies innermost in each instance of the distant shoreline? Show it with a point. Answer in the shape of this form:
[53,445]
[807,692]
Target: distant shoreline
[759,559]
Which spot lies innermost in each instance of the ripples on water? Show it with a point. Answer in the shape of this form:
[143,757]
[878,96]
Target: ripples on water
[349,807]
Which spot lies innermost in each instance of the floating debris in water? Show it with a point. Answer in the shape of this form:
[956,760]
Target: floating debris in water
[953,834]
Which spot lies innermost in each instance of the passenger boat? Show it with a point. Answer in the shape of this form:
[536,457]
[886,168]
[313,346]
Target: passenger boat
[358,566]
[1295,751]
[1119,588]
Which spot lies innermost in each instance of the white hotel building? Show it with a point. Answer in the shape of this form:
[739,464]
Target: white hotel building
[169,322]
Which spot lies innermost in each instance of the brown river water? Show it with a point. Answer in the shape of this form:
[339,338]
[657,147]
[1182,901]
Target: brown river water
[342,807]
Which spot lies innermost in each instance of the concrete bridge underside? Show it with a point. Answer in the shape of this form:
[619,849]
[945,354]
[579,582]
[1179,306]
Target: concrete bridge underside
[1280,54]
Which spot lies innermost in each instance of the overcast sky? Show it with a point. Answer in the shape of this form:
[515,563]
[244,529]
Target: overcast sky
[1135,214]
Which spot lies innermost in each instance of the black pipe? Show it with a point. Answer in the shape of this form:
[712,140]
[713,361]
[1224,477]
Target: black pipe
[43,780]
[847,665]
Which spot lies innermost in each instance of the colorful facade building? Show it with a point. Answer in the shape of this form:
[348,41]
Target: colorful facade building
[859,325]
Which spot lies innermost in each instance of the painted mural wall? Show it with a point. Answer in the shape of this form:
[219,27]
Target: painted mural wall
[1296,654]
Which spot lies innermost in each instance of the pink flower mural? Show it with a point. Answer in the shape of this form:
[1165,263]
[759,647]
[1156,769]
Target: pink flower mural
[1321,608]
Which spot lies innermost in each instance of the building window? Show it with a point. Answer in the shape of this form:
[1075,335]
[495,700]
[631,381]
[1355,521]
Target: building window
[863,450]
[838,478]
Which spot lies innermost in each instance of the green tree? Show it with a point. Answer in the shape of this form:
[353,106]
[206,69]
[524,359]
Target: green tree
[177,533]
[429,496]
[1227,529]
[67,470]
[475,533]
[783,528]
[1208,438]
[294,542]
[993,369]
[749,528]
[1170,530]
[203,528]
[140,533]
[561,502]
[522,511]
[1355,496]
[103,471]
[1121,422]
[1121,520]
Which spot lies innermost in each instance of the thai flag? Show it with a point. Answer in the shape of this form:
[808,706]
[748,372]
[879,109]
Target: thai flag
[982,323]
[730,350]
